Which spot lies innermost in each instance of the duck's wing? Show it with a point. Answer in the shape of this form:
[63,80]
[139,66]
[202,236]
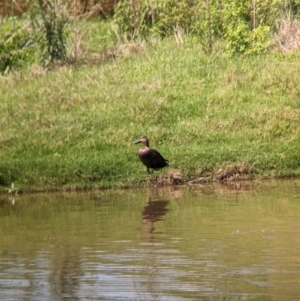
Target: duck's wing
[155,159]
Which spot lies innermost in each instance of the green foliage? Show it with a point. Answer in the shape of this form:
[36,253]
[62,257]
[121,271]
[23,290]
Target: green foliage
[50,29]
[171,14]
[267,12]
[237,38]
[294,7]
[16,45]
[244,32]
[46,33]
[240,40]
[129,17]
[245,25]
[160,17]
[259,40]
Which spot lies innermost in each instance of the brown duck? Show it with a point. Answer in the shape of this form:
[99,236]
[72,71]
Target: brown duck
[151,158]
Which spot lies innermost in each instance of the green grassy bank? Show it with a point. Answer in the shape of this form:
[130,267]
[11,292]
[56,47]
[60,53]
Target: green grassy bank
[208,115]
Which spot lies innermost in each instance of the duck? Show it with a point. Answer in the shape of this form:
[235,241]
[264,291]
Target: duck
[151,158]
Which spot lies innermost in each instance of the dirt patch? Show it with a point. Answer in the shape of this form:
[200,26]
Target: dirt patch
[169,179]
[230,173]
[233,172]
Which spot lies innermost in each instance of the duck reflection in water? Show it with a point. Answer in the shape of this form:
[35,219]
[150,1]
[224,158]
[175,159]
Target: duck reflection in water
[151,158]
[154,211]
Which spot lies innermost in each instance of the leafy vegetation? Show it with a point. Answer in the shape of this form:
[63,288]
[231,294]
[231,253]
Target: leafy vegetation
[16,46]
[50,30]
[246,26]
[53,36]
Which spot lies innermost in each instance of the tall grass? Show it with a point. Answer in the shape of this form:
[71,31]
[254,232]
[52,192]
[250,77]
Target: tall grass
[209,116]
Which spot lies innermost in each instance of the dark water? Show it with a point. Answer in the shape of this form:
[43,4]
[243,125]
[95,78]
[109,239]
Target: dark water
[200,243]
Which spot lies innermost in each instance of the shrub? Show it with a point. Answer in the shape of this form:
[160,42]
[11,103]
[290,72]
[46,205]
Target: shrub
[259,40]
[49,25]
[16,45]
[245,25]
[244,29]
[160,17]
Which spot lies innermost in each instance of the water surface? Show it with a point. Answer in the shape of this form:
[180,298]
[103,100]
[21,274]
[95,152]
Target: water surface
[211,242]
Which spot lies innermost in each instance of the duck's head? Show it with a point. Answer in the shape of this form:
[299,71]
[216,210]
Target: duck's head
[143,139]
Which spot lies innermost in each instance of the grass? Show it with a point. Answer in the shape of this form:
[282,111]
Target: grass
[209,115]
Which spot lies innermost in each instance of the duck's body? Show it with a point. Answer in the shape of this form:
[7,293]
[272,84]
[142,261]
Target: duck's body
[151,158]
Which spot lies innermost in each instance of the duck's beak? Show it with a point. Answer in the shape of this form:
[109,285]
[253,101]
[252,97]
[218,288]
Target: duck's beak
[137,141]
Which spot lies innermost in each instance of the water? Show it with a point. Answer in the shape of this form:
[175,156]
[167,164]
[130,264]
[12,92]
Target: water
[215,242]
